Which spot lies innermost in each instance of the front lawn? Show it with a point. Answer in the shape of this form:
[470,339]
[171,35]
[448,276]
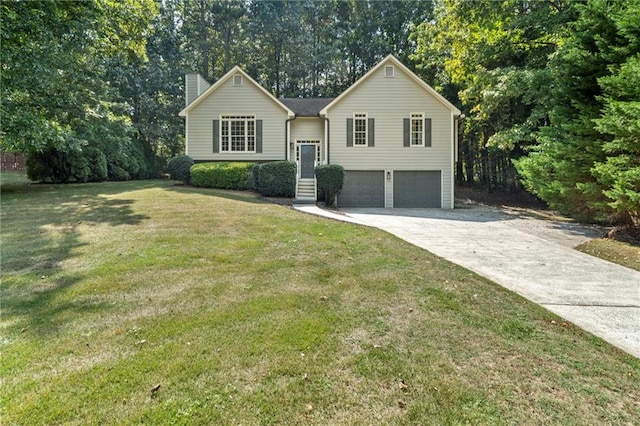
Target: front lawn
[149,302]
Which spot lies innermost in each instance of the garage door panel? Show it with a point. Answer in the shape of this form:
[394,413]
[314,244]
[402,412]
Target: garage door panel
[417,189]
[362,188]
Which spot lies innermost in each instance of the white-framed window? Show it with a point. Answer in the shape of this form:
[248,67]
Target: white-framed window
[237,79]
[389,71]
[360,129]
[416,137]
[237,133]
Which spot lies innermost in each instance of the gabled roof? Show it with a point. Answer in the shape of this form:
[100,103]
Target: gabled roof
[227,76]
[394,61]
[306,107]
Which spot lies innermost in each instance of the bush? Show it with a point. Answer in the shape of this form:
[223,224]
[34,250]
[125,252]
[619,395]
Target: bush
[221,175]
[254,176]
[58,166]
[330,178]
[98,171]
[277,179]
[179,168]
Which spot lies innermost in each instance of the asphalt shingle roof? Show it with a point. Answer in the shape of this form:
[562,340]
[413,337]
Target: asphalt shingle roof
[306,107]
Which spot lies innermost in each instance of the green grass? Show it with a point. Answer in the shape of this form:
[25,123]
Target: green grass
[619,252]
[8,179]
[246,312]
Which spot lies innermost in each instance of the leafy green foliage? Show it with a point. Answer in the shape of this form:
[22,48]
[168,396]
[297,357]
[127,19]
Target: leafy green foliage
[56,97]
[179,168]
[620,172]
[254,176]
[277,179]
[586,159]
[98,166]
[57,166]
[221,175]
[89,163]
[330,178]
[492,56]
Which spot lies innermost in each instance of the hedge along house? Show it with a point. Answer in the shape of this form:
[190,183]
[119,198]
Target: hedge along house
[395,136]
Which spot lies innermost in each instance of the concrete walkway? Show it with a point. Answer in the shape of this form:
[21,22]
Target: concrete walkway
[532,257]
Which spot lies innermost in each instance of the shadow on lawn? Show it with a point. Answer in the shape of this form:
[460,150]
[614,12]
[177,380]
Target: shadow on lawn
[42,227]
[236,195]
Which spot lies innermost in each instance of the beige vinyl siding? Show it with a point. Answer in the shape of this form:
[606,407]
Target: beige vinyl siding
[307,128]
[228,99]
[389,101]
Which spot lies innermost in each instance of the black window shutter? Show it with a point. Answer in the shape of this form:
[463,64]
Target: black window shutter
[258,136]
[406,126]
[372,132]
[349,131]
[216,136]
[427,132]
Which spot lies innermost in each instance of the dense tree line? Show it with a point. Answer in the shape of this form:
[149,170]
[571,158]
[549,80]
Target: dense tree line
[91,89]
[552,95]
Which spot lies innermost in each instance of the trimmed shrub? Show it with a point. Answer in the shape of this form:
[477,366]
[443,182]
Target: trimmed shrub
[277,179]
[254,176]
[221,175]
[330,178]
[179,168]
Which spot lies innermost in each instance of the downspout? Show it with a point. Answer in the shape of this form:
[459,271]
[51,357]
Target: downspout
[286,136]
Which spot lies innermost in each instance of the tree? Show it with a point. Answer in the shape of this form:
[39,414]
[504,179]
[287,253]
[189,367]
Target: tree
[585,160]
[492,57]
[56,97]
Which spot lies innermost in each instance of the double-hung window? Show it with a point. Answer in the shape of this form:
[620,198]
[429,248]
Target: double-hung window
[238,133]
[417,129]
[360,129]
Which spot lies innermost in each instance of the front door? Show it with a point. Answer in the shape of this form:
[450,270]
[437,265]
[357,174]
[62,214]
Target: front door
[307,161]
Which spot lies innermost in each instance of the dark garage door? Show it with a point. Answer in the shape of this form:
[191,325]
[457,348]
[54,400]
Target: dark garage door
[416,189]
[362,189]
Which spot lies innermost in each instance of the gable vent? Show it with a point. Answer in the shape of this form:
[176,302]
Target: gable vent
[389,71]
[237,80]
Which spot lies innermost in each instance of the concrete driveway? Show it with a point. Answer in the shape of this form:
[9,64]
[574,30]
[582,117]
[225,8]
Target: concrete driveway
[530,256]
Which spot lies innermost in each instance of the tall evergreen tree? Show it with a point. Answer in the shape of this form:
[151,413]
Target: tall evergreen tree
[584,161]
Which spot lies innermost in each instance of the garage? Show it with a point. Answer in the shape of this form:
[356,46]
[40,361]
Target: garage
[417,189]
[362,188]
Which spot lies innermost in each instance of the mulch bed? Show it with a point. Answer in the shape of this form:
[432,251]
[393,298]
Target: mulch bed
[500,198]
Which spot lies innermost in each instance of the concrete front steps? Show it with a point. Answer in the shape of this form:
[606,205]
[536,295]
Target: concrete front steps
[306,191]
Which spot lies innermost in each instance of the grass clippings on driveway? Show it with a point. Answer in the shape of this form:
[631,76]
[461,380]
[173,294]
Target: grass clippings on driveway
[147,302]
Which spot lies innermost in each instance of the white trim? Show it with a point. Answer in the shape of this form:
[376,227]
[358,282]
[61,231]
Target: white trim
[389,71]
[245,118]
[361,116]
[317,144]
[388,189]
[237,80]
[227,76]
[186,137]
[416,116]
[394,61]
[454,127]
